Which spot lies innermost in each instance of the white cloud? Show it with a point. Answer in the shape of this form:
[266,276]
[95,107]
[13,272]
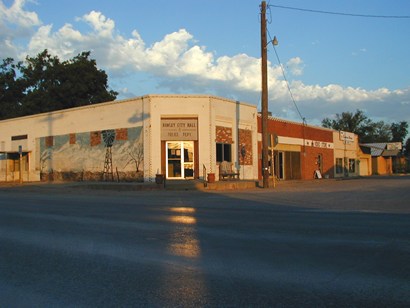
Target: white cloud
[168,52]
[102,25]
[15,23]
[196,61]
[336,93]
[178,63]
[17,15]
[296,66]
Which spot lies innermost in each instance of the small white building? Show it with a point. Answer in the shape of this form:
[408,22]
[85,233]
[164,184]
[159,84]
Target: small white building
[180,136]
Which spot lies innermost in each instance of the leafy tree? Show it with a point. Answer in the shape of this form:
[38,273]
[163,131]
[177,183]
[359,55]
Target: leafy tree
[11,90]
[375,132]
[399,131]
[44,83]
[347,121]
[41,81]
[367,130]
[84,82]
[407,147]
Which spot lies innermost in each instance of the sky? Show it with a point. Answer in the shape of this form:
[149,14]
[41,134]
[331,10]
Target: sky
[332,63]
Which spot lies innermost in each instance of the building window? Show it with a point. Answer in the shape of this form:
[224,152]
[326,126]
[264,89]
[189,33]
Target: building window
[352,166]
[339,165]
[223,152]
[14,162]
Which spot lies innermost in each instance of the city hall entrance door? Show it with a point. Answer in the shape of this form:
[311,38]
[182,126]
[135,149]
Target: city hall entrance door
[179,159]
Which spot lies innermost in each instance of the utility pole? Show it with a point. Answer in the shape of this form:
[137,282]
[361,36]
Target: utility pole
[265,170]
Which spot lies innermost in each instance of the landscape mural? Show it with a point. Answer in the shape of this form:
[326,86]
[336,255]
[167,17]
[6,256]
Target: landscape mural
[82,156]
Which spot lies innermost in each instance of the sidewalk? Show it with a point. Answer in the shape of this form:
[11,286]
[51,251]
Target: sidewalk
[175,185]
[190,185]
[182,185]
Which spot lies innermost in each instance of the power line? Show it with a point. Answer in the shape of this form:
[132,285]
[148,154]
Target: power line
[286,80]
[339,13]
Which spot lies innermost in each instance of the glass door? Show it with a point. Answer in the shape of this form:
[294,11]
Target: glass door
[174,160]
[279,165]
[188,147]
[180,159]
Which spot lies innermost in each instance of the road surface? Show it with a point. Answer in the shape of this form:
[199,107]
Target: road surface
[330,243]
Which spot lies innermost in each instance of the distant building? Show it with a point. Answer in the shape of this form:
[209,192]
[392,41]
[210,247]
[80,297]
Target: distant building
[365,159]
[385,157]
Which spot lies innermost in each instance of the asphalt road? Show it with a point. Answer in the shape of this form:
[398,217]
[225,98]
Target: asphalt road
[324,243]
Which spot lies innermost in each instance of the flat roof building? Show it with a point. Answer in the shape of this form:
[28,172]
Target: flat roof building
[180,136]
[176,136]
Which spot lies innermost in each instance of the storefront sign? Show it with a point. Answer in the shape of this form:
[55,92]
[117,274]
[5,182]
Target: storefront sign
[306,142]
[319,144]
[394,146]
[179,129]
[346,136]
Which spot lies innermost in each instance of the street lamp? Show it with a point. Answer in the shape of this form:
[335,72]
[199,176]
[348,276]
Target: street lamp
[265,136]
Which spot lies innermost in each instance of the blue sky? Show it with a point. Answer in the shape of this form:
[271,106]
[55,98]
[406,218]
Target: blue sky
[333,63]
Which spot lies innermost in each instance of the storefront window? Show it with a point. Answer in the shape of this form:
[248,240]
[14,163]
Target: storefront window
[339,165]
[14,162]
[223,152]
[352,166]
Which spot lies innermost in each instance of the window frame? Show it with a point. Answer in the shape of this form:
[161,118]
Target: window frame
[352,165]
[339,165]
[223,152]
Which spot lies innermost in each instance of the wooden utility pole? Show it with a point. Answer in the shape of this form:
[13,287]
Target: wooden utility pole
[265,166]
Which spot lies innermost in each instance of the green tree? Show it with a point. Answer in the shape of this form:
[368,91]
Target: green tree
[40,76]
[348,121]
[84,82]
[11,90]
[375,132]
[407,147]
[44,83]
[357,123]
[367,130]
[399,131]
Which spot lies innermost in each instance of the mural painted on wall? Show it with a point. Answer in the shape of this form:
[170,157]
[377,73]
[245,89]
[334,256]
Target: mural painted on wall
[81,156]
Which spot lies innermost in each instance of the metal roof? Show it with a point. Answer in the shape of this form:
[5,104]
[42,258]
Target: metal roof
[365,149]
[379,149]
[376,149]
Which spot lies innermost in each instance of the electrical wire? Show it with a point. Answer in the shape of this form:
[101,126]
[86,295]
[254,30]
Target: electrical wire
[339,13]
[269,13]
[286,80]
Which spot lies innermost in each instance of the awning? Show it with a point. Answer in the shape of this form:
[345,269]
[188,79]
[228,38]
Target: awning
[390,153]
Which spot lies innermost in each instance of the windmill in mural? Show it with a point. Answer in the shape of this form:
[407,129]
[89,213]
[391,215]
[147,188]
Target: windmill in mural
[108,138]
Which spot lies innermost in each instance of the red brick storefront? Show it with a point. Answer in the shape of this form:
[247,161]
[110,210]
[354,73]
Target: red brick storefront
[299,150]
